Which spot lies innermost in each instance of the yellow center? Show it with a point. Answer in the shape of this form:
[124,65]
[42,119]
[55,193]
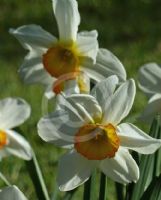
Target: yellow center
[62,59]
[3,139]
[97,142]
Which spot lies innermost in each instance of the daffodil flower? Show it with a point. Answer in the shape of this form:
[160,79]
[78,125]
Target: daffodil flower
[11,193]
[50,58]
[90,126]
[13,112]
[149,83]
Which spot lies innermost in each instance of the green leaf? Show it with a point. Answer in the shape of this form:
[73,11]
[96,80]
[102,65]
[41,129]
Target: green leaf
[149,165]
[153,192]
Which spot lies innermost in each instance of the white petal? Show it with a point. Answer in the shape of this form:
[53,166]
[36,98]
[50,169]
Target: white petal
[150,78]
[67,17]
[108,64]
[71,87]
[17,145]
[11,193]
[61,126]
[89,69]
[32,71]
[103,90]
[122,168]
[73,170]
[89,103]
[83,111]
[119,105]
[33,36]
[152,108]
[88,44]
[13,112]
[133,138]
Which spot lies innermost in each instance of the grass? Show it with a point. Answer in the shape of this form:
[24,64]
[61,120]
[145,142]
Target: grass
[131,30]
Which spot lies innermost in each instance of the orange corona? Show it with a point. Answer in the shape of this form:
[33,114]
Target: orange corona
[3,139]
[62,59]
[96,141]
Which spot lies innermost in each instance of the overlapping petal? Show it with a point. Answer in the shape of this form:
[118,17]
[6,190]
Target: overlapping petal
[88,102]
[32,71]
[60,127]
[88,44]
[119,105]
[13,112]
[107,64]
[122,168]
[67,17]
[104,90]
[77,170]
[133,138]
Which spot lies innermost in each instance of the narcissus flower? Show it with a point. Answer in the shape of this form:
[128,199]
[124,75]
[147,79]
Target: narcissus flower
[11,193]
[50,58]
[13,112]
[150,84]
[90,126]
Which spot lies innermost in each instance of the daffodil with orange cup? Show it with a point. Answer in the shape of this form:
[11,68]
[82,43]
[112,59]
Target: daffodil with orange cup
[89,125]
[66,57]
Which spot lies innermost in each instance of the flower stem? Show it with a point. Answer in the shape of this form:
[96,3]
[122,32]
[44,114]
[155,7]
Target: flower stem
[119,191]
[102,192]
[89,193]
[37,178]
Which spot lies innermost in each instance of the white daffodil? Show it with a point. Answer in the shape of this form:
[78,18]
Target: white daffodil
[11,193]
[13,112]
[72,53]
[90,126]
[150,84]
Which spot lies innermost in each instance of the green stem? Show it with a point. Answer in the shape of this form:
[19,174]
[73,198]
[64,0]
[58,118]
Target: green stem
[119,191]
[37,178]
[102,193]
[89,188]
[69,195]
[4,179]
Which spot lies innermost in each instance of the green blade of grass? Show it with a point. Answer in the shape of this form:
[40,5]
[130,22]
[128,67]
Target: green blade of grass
[37,178]
[4,179]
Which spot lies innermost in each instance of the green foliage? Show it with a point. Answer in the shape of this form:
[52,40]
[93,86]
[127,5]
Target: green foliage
[153,192]
[148,169]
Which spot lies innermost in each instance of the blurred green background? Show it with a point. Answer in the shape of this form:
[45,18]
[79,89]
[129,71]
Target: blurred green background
[130,29]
